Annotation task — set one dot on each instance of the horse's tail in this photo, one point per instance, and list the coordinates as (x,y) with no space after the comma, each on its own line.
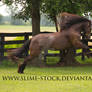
(15,54)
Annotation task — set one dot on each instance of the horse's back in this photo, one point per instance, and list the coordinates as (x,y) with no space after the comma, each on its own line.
(42,40)
(58,40)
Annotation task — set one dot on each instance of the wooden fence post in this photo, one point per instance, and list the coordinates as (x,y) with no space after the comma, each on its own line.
(86,43)
(2,47)
(45,55)
(26,37)
(83,50)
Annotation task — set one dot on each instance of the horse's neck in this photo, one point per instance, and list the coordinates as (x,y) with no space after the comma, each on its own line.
(78,28)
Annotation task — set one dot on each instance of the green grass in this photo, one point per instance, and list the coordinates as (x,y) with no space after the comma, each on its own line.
(10,69)
(12,28)
(46,85)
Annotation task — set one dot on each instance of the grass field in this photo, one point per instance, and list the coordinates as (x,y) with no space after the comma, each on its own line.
(49,85)
(17,29)
(21,29)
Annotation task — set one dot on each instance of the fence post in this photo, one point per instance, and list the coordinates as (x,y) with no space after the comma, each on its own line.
(86,43)
(26,37)
(45,55)
(2,47)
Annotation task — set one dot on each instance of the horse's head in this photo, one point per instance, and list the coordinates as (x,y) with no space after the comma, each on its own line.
(87,29)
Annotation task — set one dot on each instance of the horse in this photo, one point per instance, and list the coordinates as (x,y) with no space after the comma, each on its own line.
(65,20)
(68,38)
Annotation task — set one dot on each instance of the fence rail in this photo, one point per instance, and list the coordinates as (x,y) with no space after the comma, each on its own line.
(26,35)
(3,42)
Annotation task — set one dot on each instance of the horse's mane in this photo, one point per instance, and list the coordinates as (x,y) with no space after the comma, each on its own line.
(68,20)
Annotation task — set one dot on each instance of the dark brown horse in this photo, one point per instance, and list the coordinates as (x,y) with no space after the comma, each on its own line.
(65,20)
(69,37)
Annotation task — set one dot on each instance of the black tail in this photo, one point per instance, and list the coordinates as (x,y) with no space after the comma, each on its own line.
(18,53)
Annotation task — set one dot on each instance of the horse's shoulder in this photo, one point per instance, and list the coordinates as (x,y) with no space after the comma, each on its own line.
(73,35)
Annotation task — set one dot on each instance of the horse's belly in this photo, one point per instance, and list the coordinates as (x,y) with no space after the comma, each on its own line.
(61,44)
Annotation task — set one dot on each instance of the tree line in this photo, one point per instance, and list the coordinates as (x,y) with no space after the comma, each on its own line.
(10,20)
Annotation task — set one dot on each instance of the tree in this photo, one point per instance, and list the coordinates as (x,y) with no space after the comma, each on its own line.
(36,16)
(53,7)
(29,9)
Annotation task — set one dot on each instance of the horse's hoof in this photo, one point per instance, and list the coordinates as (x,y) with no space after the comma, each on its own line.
(20,72)
(21,68)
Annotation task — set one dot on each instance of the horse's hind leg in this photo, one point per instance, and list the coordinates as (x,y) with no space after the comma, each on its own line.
(34,52)
(22,66)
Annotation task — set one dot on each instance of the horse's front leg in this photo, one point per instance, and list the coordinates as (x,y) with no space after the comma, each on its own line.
(78,44)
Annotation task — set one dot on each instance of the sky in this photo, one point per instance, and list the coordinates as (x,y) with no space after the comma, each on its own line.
(3,9)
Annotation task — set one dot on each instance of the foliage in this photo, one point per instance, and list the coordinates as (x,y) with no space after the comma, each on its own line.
(26,7)
(51,7)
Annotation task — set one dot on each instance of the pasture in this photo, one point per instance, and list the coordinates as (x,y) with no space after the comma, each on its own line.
(16,29)
(21,29)
(43,85)
(22,83)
